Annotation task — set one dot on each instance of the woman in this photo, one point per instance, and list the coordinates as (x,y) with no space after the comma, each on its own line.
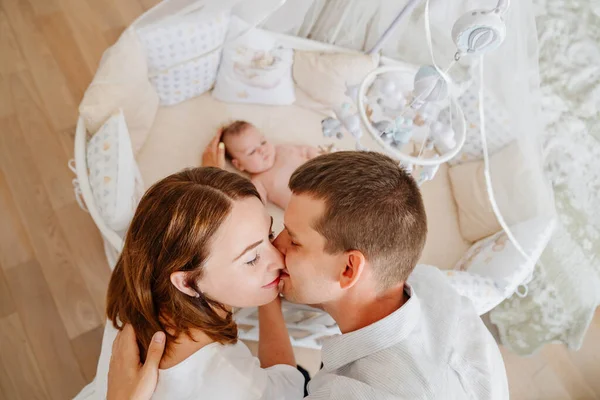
(199,245)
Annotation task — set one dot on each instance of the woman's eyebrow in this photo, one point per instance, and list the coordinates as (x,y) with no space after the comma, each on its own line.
(253,245)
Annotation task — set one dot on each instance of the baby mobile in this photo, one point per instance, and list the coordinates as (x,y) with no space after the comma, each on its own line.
(426,113)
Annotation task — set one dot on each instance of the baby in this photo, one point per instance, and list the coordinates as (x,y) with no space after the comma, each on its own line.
(270,167)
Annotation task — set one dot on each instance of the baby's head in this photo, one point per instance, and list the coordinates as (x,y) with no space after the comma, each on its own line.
(247,148)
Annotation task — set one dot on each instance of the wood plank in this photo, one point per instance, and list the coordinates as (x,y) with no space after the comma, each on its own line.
(20,376)
(75,306)
(587,359)
(129,10)
(44,7)
(7,305)
(112,35)
(12,60)
(107,14)
(6,107)
(550,385)
(61,42)
(15,246)
(557,357)
(85,241)
(519,371)
(84,22)
(87,351)
(87,252)
(42,141)
(47,335)
(148,4)
(59,104)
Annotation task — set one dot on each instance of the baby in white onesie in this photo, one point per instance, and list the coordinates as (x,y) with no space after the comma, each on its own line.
(270,166)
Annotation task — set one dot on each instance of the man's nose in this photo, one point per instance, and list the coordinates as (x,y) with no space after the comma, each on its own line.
(280,242)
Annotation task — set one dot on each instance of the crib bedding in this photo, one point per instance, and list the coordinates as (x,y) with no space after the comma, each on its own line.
(181,132)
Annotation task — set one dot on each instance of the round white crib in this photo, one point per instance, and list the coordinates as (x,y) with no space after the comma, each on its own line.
(150,112)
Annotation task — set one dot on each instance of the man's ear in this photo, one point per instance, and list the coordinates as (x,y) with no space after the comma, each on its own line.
(355,265)
(237,164)
(179,280)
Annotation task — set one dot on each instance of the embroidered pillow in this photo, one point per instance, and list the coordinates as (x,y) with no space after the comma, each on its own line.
(253,69)
(113,174)
(183,54)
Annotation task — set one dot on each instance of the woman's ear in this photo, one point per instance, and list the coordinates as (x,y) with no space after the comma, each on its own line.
(355,265)
(237,164)
(179,280)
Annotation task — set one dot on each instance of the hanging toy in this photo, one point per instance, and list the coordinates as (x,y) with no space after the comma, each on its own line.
(349,120)
(429,144)
(345,120)
(360,147)
(429,86)
(390,97)
(352,92)
(442,135)
(427,173)
(331,127)
(427,113)
(404,130)
(386,130)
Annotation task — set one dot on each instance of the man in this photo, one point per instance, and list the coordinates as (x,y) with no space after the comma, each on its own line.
(355,228)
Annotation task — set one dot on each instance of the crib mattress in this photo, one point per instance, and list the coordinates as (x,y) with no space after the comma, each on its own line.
(181,132)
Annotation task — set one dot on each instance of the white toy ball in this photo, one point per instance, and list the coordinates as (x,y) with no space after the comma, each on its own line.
(429,85)
(352,124)
(443,134)
(479,31)
(428,112)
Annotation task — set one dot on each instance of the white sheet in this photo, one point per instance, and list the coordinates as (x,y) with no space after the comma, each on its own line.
(181,132)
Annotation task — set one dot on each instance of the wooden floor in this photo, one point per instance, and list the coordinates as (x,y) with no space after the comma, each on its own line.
(53,275)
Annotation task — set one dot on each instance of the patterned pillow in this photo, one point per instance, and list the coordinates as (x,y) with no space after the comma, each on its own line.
(482,291)
(497,125)
(254,69)
(113,174)
(498,261)
(187,80)
(183,54)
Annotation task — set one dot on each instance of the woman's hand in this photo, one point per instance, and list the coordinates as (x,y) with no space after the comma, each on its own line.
(214,154)
(128,379)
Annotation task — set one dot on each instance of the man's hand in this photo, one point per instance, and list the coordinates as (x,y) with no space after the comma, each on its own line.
(128,379)
(214,154)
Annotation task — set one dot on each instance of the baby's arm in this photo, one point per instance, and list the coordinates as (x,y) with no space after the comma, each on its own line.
(261,189)
(309,152)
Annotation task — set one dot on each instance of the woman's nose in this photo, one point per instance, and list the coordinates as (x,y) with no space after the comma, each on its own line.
(277,260)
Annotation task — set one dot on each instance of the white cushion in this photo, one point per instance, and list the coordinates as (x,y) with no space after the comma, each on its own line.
(445,245)
(253,69)
(496,257)
(515,183)
(183,54)
(121,82)
(324,76)
(113,173)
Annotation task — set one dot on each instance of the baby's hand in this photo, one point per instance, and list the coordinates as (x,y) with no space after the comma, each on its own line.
(326,149)
(311,152)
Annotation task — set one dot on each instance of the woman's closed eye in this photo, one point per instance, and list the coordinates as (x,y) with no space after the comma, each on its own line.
(254,261)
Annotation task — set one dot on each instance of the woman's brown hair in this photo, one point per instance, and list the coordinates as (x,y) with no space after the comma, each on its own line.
(171,231)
